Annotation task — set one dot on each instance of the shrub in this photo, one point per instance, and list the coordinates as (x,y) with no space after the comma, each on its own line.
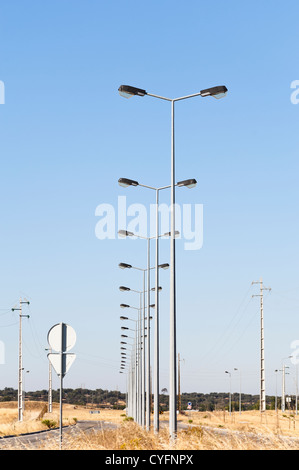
(50,424)
(128,418)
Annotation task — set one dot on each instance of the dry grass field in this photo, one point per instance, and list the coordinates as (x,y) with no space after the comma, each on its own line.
(202,431)
(283,424)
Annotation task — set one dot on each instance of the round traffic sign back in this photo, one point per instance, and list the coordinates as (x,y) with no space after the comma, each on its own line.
(62,337)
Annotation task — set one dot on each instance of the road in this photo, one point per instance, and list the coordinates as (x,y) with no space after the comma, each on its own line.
(36,440)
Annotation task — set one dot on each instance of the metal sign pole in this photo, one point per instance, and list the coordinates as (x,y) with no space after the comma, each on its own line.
(61,378)
(61,338)
(60,422)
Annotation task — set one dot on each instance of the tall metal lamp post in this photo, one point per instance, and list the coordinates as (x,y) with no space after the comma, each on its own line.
(157,267)
(125,182)
(217,92)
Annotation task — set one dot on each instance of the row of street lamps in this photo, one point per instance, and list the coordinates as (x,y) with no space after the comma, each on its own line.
(128,92)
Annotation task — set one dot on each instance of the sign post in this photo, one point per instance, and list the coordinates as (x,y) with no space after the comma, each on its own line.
(61,338)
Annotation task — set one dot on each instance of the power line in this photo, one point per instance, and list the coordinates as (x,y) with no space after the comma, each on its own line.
(228,332)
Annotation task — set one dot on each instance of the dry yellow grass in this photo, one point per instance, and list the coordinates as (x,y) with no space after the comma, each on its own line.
(129,436)
(283,424)
(9,424)
(247,431)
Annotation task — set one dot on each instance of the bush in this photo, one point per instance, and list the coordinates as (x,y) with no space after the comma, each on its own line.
(50,424)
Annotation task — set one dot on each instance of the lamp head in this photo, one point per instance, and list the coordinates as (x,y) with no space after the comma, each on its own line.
(125,182)
(127,91)
(124,266)
(125,233)
(191,183)
(168,234)
(164,266)
(216,91)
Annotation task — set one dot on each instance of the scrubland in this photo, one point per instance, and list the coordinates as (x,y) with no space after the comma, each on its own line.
(196,431)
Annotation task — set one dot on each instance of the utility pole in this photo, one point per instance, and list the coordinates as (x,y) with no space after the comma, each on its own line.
(24,391)
(262,386)
(296,402)
(276,409)
(50,384)
(179,382)
(240,395)
(20,374)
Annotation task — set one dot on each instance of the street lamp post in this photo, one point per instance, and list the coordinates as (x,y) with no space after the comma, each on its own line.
(136,365)
(142,342)
(138,390)
(230,392)
(217,92)
(131,392)
(137,349)
(129,266)
(163,266)
(284,367)
(125,182)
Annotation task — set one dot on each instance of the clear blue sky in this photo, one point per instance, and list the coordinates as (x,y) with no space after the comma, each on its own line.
(66,136)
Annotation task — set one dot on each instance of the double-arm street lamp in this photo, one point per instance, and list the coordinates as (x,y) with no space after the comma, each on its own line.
(125,182)
(216,92)
(140,376)
(157,267)
(138,365)
(131,372)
